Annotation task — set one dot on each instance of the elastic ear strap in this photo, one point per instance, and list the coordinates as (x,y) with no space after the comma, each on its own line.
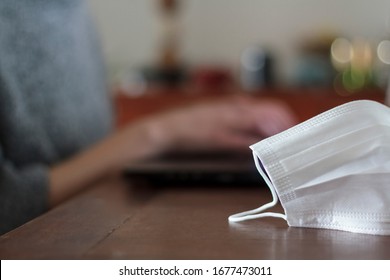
(257,213)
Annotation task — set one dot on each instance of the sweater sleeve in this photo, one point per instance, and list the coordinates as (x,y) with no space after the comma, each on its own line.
(23,193)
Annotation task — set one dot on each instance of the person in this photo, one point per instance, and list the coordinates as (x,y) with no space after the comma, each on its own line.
(56,119)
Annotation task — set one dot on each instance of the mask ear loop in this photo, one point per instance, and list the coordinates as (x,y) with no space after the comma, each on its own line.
(257,213)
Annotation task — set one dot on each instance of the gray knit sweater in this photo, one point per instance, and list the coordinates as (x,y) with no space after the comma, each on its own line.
(53,98)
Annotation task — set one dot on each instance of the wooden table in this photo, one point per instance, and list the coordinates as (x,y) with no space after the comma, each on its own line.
(119,219)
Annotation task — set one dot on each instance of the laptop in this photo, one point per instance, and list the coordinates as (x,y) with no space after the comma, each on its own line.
(207,169)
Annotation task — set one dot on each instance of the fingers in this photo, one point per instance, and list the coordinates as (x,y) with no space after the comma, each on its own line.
(234,123)
(275,119)
(261,117)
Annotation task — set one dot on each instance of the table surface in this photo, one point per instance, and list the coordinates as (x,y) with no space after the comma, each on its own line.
(121,219)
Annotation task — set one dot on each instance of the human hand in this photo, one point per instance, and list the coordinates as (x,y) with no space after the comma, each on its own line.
(230,124)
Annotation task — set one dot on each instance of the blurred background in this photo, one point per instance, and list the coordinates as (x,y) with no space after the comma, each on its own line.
(249,43)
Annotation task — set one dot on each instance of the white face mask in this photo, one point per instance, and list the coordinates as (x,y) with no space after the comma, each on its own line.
(332,171)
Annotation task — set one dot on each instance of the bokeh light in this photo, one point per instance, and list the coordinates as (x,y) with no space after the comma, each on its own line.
(383,51)
(341,53)
(361,55)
